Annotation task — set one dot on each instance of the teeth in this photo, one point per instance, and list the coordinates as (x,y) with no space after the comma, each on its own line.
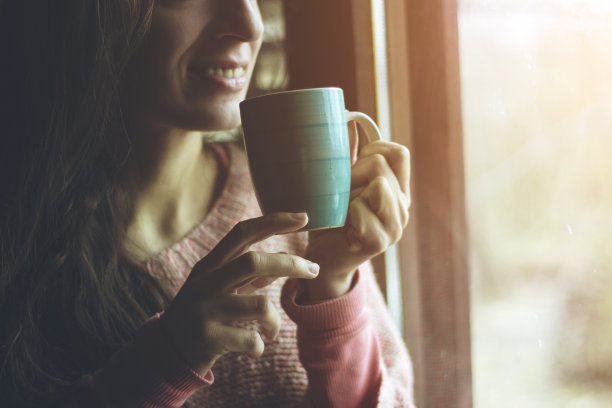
(227,72)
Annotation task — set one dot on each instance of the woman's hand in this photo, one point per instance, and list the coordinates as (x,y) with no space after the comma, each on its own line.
(200,319)
(377,216)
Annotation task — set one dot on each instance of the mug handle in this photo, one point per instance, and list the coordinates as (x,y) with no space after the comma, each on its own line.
(367,123)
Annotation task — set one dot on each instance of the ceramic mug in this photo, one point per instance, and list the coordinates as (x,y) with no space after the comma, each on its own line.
(297,146)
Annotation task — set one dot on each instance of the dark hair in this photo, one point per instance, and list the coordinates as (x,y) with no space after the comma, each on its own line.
(69,292)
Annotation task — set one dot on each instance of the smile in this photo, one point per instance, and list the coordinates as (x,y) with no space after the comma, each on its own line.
(227,72)
(230,79)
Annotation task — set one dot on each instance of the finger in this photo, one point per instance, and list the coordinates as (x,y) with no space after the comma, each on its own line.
(249,232)
(263,265)
(234,339)
(252,285)
(397,156)
(384,203)
(402,201)
(232,308)
(365,232)
(356,192)
(372,167)
(369,168)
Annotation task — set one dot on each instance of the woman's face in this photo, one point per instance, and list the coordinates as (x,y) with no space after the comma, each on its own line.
(194,67)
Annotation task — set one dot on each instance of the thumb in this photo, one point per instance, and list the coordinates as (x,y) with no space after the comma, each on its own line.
(353,140)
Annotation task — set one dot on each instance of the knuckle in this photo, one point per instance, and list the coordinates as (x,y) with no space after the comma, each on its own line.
(251,341)
(401,153)
(379,163)
(381,245)
(375,244)
(261,304)
(294,263)
(380,184)
(396,233)
(355,214)
(250,261)
(207,331)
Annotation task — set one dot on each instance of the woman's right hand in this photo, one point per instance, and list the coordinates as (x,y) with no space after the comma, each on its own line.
(199,321)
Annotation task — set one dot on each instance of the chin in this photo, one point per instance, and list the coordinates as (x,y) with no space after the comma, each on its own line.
(221,118)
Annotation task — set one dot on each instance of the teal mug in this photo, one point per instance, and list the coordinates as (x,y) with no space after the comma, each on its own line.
(298,151)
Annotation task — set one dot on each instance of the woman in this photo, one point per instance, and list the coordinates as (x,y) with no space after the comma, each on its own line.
(136,268)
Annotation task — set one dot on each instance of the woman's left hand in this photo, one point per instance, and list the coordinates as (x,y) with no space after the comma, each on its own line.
(377,216)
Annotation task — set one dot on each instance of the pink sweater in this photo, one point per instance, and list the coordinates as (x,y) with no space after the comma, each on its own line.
(343,352)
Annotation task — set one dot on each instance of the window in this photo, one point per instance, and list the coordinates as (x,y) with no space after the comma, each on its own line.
(506,106)
(537,103)
(332,44)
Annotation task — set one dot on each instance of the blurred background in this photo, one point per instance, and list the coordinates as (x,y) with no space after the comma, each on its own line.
(537,113)
(270,73)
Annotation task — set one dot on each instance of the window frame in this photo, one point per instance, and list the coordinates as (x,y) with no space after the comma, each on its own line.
(331,43)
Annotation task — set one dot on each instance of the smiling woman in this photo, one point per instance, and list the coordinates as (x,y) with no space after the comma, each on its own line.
(136,269)
(184,73)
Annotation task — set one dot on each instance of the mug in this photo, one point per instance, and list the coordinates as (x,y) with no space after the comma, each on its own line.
(298,152)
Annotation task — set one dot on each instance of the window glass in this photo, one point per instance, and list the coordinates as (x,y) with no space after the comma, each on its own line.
(537,112)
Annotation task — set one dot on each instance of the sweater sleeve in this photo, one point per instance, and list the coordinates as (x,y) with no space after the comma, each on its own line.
(146,373)
(337,347)
(352,353)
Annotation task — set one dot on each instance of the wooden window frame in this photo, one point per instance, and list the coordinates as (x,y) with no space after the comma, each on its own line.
(330,43)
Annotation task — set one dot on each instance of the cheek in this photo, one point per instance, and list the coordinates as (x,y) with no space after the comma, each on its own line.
(157,72)
(169,39)
(255,48)
(154,76)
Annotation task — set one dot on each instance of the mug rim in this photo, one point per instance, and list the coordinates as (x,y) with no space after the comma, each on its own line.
(294,91)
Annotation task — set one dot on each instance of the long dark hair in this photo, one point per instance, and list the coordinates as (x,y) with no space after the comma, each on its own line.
(70,294)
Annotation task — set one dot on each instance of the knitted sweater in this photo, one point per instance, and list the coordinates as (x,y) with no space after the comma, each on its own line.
(342,352)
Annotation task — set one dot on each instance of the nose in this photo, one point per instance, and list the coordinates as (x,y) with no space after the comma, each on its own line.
(240,20)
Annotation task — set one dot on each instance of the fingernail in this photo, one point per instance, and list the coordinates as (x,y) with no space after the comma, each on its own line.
(299,216)
(313,268)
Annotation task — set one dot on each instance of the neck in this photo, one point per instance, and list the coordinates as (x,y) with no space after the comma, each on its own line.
(173,179)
